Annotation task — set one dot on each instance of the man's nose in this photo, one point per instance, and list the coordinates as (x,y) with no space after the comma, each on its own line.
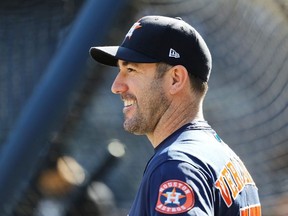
(119,86)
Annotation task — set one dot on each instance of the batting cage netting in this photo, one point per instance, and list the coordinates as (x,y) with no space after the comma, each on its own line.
(63,149)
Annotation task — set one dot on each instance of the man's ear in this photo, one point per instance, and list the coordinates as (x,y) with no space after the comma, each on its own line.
(178,78)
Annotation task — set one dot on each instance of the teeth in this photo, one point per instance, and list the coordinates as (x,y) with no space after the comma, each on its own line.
(128,102)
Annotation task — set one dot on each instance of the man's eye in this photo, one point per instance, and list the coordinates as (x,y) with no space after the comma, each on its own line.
(130,70)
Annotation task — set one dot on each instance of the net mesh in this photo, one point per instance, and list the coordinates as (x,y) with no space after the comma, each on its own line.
(30,33)
(246,103)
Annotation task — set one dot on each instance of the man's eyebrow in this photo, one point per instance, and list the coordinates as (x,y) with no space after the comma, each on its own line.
(125,63)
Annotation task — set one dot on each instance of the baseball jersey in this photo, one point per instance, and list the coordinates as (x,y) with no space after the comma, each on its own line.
(193,172)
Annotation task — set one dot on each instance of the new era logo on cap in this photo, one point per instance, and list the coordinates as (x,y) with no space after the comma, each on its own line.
(173,53)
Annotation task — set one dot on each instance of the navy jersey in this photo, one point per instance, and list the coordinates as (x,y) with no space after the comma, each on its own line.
(193,172)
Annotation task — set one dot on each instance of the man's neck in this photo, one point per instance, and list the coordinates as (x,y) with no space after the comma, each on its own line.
(174,118)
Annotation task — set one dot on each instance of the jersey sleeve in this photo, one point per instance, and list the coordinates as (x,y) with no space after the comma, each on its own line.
(180,188)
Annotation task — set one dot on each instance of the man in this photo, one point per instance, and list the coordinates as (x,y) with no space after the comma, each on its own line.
(164,66)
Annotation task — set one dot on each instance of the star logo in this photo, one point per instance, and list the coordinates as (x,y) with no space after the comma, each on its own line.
(173,197)
(132,29)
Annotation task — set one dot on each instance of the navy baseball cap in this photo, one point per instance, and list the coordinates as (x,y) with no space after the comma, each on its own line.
(155,39)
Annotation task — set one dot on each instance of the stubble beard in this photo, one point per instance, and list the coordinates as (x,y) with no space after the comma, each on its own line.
(147,116)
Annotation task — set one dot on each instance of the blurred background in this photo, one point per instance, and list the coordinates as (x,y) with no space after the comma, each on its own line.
(63,151)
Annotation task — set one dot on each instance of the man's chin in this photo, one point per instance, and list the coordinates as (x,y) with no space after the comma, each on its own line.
(132,128)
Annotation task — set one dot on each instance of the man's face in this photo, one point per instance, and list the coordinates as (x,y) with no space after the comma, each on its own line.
(144,97)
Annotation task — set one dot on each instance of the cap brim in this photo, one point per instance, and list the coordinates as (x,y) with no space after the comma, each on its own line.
(105,54)
(109,55)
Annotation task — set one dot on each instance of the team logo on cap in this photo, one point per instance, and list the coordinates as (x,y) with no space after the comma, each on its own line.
(175,197)
(132,29)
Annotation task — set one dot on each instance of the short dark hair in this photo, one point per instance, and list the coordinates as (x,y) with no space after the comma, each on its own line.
(198,85)
(161,68)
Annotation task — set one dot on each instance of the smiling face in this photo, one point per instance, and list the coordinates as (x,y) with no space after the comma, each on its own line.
(144,97)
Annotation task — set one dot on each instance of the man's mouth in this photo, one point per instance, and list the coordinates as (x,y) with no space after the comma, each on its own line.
(128,103)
